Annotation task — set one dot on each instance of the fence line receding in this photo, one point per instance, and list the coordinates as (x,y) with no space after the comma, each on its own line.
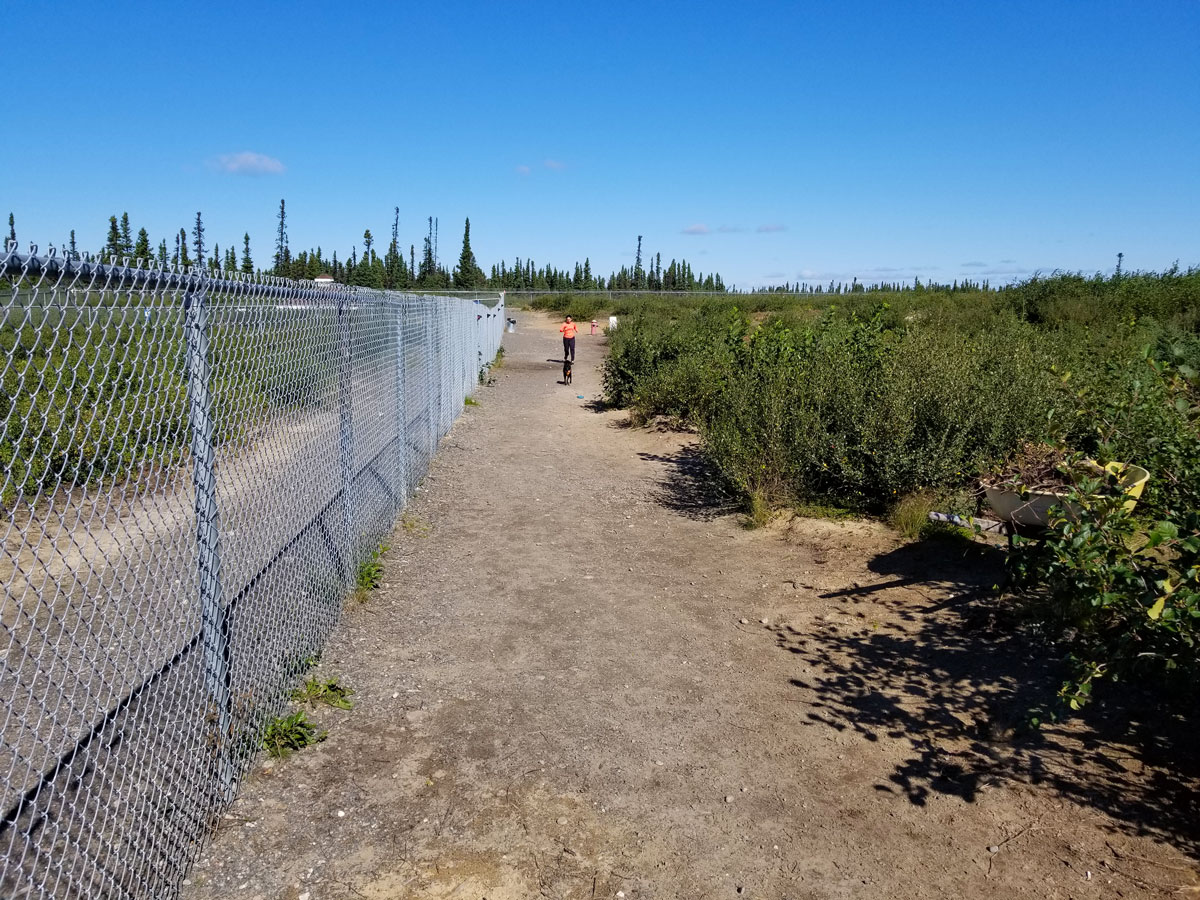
(194,466)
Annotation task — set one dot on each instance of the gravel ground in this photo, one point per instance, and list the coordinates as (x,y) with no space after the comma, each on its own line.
(582,678)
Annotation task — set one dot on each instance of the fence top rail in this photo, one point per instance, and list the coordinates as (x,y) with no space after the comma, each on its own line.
(63,270)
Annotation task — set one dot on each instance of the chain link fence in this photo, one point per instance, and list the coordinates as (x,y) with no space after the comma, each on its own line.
(195,465)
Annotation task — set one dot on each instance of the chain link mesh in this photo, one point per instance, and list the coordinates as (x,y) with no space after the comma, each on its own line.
(194,466)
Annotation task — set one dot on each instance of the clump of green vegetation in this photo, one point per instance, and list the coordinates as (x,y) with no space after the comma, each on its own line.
(758,512)
(910,515)
(284,734)
(885,403)
(415,525)
(72,370)
(580,307)
(329,692)
(1123,586)
(470,401)
(370,573)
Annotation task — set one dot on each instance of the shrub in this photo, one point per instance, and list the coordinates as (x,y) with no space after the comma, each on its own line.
(851,402)
(1124,590)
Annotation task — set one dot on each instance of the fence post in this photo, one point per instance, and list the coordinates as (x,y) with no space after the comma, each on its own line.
(433,435)
(402,479)
(346,431)
(440,341)
(214,618)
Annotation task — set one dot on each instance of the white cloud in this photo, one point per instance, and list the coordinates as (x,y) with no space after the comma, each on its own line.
(248,163)
(974,265)
(771,228)
(555,164)
(697,229)
(523,170)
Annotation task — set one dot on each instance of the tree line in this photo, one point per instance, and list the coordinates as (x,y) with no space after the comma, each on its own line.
(393,268)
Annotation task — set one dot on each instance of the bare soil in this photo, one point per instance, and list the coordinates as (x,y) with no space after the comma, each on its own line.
(583,678)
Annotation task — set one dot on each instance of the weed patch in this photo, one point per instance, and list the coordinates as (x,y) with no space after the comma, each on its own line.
(329,692)
(285,734)
(370,573)
(415,525)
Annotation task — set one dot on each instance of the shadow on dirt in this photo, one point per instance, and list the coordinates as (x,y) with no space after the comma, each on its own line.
(692,486)
(962,677)
(599,405)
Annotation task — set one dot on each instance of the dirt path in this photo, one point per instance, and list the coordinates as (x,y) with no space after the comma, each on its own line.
(584,679)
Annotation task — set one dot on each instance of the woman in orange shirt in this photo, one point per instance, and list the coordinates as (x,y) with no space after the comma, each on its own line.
(569,330)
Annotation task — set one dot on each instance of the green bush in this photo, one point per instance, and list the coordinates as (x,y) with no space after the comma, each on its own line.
(845,410)
(580,307)
(1124,589)
(851,402)
(99,391)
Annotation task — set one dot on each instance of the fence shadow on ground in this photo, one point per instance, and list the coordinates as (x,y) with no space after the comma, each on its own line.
(960,678)
(692,486)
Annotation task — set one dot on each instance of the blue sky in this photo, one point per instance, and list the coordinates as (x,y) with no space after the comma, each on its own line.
(767,141)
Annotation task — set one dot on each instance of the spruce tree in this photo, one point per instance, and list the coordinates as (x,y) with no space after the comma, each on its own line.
(126,236)
(247,262)
(428,271)
(198,240)
(393,262)
(370,271)
(141,250)
(467,276)
(281,254)
(162,253)
(184,260)
(71,248)
(112,246)
(12,229)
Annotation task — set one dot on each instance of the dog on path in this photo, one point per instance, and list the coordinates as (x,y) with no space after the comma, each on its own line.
(566,371)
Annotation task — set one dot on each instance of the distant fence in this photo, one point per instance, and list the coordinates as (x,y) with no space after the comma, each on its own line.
(195,465)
